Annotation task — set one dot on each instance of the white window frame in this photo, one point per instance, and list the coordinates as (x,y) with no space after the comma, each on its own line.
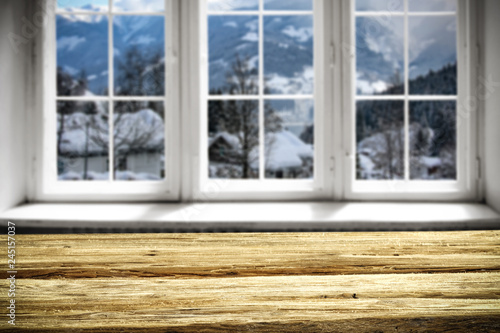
(185,121)
(48,188)
(199,186)
(465,187)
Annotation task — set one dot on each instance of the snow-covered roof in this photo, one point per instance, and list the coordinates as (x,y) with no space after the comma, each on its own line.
(285,150)
(133,126)
(431,162)
(74,137)
(231,139)
(130,127)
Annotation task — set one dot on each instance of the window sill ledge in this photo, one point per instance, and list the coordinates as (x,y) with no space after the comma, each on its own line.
(251,217)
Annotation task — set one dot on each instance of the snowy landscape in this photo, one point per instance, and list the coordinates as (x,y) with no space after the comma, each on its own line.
(380,129)
(381,140)
(234,147)
(83,138)
(83,141)
(233,64)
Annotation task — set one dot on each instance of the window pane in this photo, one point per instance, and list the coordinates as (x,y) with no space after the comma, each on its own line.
(83,5)
(380,5)
(433,140)
(433,55)
(288,5)
(233,55)
(139,53)
(288,54)
(139,140)
(380,56)
(380,140)
(82,140)
(433,5)
(82,55)
(289,150)
(233,139)
(138,5)
(228,5)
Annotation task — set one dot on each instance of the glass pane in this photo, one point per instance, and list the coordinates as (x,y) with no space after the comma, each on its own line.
(82,55)
(228,5)
(233,139)
(433,5)
(379,56)
(82,141)
(433,140)
(139,140)
(233,55)
(288,54)
(138,5)
(139,53)
(380,140)
(380,5)
(433,55)
(288,5)
(289,132)
(83,5)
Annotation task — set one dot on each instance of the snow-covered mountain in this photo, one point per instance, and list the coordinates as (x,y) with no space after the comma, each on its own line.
(227,5)
(380,50)
(288,50)
(82,44)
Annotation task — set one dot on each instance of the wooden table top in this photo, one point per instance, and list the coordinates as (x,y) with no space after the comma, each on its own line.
(256,282)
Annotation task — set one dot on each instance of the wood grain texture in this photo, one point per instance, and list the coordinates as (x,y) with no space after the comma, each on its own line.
(258,282)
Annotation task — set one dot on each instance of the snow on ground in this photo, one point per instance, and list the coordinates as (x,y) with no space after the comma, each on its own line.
(374,156)
(128,175)
(71,175)
(367,167)
(430,162)
(120,175)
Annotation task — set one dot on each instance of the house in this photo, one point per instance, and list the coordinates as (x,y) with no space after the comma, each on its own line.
(286,156)
(138,146)
(224,148)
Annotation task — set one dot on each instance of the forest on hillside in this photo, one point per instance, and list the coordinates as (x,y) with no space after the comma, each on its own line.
(380,132)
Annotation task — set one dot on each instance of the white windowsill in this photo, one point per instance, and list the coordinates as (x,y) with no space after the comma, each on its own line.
(256,217)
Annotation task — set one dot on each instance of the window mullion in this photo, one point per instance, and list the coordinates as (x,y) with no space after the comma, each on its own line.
(407,93)
(261,92)
(111,89)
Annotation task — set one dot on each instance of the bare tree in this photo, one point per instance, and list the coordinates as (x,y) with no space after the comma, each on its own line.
(141,74)
(135,137)
(67,86)
(243,115)
(240,118)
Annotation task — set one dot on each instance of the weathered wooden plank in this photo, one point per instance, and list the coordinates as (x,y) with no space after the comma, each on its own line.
(281,282)
(475,324)
(243,303)
(239,255)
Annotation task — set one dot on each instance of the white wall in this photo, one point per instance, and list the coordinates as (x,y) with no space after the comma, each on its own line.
(12,105)
(491,71)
